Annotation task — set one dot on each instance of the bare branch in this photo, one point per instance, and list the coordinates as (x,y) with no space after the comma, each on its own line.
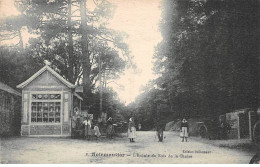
(103,38)
(74,11)
(8,37)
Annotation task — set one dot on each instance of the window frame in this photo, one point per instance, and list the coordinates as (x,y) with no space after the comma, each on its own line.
(46,100)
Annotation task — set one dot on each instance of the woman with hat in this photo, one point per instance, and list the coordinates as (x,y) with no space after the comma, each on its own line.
(131,130)
(184,130)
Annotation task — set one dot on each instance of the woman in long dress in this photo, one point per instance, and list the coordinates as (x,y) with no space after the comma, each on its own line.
(131,130)
(110,128)
(96,131)
(184,130)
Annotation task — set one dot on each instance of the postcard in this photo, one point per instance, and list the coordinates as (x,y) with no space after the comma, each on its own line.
(129,82)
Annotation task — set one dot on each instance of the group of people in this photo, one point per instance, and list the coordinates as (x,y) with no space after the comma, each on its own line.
(110,131)
(184,130)
(95,131)
(91,130)
(131,133)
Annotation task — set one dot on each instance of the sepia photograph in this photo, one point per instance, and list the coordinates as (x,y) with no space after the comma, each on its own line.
(129,82)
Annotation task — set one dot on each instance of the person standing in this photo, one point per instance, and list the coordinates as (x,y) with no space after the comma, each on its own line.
(96,131)
(131,130)
(87,124)
(110,128)
(139,127)
(184,130)
(159,131)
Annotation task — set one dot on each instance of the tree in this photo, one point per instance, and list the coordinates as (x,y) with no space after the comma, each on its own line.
(85,53)
(208,56)
(72,38)
(111,104)
(11,28)
(15,66)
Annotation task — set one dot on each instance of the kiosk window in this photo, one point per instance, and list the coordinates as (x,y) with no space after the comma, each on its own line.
(43,111)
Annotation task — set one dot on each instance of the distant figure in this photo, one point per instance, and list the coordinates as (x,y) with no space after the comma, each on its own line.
(224,129)
(74,122)
(87,124)
(184,130)
(159,130)
(139,126)
(96,131)
(131,130)
(110,128)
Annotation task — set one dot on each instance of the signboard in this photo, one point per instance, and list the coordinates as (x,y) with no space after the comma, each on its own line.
(89,116)
(79,89)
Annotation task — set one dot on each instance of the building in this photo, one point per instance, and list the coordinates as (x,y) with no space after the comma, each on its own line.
(10,111)
(48,102)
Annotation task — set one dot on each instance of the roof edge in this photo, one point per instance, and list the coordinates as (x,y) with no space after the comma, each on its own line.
(9,89)
(46,67)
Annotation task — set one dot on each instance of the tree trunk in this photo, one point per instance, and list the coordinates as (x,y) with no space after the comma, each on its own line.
(85,56)
(72,78)
(20,38)
(100,85)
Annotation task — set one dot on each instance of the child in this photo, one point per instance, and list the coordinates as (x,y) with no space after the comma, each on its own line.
(96,131)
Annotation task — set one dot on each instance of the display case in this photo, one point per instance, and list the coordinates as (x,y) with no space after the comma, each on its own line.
(45,108)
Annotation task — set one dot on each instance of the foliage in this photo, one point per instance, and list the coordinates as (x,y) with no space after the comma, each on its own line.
(15,67)
(150,108)
(207,61)
(59,30)
(110,105)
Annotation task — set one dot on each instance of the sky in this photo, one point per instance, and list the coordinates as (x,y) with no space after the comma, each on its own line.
(139,19)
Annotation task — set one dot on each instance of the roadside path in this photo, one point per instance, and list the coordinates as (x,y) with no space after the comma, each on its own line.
(146,149)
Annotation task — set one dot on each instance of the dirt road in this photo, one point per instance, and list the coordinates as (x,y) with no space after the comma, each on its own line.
(146,149)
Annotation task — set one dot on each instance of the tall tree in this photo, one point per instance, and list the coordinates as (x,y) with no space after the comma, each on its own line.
(73,37)
(85,53)
(208,55)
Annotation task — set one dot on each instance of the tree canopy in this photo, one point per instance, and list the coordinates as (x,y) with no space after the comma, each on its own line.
(207,63)
(73,36)
(208,59)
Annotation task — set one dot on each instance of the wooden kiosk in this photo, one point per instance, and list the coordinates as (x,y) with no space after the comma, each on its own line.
(48,101)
